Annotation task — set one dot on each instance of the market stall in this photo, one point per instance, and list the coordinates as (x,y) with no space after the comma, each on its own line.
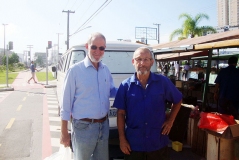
(207,143)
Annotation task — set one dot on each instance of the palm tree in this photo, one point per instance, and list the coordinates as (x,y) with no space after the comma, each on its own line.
(190,27)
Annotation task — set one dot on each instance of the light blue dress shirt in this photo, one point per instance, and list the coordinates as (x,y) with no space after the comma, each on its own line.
(86,91)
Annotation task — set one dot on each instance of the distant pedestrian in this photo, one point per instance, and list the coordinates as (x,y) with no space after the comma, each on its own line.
(185,71)
(172,69)
(33,69)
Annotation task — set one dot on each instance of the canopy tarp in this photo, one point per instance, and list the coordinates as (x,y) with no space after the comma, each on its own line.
(180,56)
(213,41)
(217,57)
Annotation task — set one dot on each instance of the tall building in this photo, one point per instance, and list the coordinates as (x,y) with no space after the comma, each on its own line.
(228,13)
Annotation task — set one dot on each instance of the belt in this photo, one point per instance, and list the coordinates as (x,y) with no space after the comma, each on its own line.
(95,120)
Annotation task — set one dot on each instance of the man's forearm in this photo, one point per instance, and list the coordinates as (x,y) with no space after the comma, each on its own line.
(174,111)
(64,128)
(121,125)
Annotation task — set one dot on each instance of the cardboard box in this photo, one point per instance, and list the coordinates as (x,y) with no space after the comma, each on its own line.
(221,148)
(223,145)
(177,146)
(231,132)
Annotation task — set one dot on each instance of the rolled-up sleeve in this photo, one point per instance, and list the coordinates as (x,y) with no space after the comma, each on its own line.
(68,92)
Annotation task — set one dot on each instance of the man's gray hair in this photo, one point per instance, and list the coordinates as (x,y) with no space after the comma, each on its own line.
(145,49)
(94,35)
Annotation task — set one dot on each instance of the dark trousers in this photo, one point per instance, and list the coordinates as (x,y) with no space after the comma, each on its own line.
(162,154)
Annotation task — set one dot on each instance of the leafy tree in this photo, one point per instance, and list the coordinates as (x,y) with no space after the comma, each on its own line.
(39,60)
(4,60)
(190,27)
(14,58)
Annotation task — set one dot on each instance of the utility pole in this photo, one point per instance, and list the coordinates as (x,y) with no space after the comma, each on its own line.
(6,57)
(158,30)
(30,47)
(68,13)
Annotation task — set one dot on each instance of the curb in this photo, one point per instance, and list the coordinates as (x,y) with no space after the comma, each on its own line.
(6,89)
(50,86)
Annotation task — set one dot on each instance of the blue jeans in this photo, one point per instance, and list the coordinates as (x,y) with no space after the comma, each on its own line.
(90,140)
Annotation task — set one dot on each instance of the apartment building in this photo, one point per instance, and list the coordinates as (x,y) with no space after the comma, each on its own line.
(228,13)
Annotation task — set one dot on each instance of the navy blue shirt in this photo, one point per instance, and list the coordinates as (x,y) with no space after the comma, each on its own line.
(32,68)
(145,110)
(228,80)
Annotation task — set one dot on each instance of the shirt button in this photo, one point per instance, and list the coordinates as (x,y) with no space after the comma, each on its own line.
(146,123)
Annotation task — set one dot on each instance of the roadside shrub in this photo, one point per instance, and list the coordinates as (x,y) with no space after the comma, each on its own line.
(2,68)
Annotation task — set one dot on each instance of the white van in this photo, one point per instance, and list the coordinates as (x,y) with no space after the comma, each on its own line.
(118,57)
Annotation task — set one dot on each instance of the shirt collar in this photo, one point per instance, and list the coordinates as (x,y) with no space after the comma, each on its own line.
(152,77)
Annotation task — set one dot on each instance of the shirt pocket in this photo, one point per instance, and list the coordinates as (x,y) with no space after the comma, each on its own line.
(157,102)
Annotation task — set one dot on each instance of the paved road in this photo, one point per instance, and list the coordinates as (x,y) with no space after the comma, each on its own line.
(29,121)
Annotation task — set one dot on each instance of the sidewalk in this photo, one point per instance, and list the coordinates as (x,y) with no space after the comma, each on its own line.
(21,81)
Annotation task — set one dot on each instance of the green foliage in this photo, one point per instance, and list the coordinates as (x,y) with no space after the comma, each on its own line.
(2,68)
(14,58)
(41,76)
(20,65)
(4,60)
(39,60)
(15,67)
(190,27)
(11,77)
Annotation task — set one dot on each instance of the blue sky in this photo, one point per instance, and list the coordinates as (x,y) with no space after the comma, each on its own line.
(35,22)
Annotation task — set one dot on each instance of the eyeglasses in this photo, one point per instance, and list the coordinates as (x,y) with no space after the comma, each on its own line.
(94,47)
(145,60)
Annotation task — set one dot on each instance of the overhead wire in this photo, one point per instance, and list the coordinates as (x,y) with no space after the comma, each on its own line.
(92,16)
(84,12)
(74,3)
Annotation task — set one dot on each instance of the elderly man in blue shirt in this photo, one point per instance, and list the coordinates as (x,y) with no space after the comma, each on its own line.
(142,123)
(86,91)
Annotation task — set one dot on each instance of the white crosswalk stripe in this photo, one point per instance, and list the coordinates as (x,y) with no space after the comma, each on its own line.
(54,119)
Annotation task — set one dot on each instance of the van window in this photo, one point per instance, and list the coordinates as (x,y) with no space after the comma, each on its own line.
(67,60)
(77,56)
(119,61)
(61,63)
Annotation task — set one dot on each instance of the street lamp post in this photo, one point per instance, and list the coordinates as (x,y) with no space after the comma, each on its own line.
(6,57)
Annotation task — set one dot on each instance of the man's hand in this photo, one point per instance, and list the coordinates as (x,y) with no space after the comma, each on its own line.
(65,139)
(125,147)
(167,125)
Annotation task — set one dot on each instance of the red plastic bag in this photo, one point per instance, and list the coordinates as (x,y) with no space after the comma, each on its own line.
(229,119)
(212,122)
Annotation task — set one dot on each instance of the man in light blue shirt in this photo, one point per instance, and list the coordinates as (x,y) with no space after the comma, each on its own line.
(86,91)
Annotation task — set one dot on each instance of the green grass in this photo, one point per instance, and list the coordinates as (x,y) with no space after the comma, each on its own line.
(11,77)
(41,76)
